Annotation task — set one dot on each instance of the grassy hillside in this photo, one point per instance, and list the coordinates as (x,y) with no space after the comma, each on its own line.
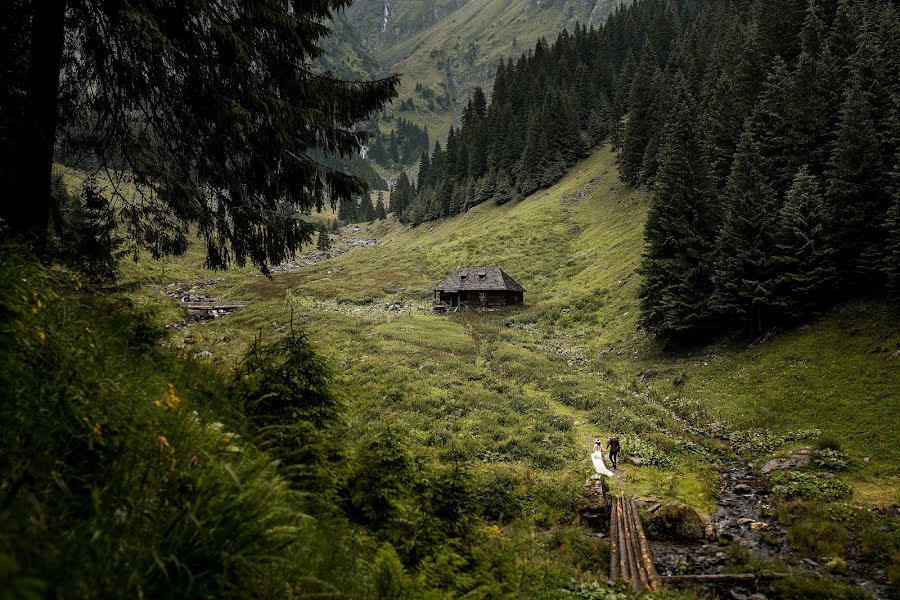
(576,247)
(519,394)
(449,47)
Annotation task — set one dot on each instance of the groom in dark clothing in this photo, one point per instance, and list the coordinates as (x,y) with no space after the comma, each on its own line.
(613,448)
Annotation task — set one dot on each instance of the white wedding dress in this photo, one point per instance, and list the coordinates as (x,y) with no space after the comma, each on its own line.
(599,464)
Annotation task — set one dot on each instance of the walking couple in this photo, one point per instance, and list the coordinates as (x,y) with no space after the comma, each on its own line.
(597,456)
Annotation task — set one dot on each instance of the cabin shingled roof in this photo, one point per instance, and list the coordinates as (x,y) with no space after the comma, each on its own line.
(489,278)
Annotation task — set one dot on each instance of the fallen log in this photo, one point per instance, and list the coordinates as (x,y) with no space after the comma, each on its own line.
(727,577)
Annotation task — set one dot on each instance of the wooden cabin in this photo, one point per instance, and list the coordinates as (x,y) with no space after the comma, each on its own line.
(477,287)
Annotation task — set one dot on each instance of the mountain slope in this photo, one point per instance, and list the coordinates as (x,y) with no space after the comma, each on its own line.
(444,48)
(576,247)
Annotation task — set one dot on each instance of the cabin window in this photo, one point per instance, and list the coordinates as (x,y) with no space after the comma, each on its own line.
(481,276)
(462,276)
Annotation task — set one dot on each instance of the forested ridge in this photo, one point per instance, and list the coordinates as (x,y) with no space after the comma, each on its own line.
(767,130)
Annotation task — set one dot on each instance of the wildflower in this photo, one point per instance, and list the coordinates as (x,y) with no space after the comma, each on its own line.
(88,330)
(162,443)
(233,448)
(42,336)
(193,462)
(217,426)
(96,430)
(171,399)
(77,285)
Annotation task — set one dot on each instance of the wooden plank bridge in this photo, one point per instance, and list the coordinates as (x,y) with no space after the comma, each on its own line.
(629,553)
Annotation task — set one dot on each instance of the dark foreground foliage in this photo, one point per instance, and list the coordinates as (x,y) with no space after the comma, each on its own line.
(128,469)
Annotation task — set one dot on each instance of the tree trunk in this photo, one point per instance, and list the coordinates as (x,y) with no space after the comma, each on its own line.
(28,208)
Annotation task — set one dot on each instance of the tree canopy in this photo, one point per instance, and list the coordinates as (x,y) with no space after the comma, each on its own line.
(207,112)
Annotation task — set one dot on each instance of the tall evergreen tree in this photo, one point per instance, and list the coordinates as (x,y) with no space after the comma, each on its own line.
(324,242)
(380,210)
(212,108)
(680,231)
(803,256)
(856,189)
(744,277)
(641,108)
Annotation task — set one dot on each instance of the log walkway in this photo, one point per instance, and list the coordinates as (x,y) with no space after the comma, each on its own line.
(629,553)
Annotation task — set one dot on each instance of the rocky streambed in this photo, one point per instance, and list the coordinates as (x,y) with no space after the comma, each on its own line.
(744,524)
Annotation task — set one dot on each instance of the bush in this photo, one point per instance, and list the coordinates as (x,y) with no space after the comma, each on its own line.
(831,460)
(283,389)
(801,484)
(86,239)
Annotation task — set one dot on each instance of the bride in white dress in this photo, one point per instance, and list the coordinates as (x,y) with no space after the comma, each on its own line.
(597,459)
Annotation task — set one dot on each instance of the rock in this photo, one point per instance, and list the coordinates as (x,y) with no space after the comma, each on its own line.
(810,563)
(742,489)
(744,521)
(758,525)
(757,596)
(711,533)
(866,459)
(737,595)
(794,461)
(654,508)
(824,475)
(635,460)
(677,522)
(647,374)
(593,506)
(203,354)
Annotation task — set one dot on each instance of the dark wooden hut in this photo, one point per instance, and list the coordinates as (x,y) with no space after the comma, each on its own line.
(477,287)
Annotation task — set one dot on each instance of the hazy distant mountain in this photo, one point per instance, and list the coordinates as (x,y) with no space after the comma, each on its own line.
(444,48)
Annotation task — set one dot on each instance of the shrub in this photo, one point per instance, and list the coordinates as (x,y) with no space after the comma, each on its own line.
(283,389)
(801,484)
(831,460)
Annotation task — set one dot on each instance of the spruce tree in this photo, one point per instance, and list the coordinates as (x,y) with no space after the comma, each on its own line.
(802,254)
(641,107)
(213,110)
(324,243)
(856,191)
(380,211)
(744,273)
(680,231)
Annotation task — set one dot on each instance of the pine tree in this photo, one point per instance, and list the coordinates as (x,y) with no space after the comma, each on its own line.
(213,109)
(744,276)
(802,255)
(324,243)
(855,194)
(641,107)
(380,211)
(680,232)
(366,209)
(893,246)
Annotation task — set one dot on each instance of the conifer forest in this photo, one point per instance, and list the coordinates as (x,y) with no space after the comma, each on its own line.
(464,299)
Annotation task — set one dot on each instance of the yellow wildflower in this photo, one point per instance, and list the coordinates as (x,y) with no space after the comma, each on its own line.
(42,336)
(96,431)
(162,443)
(171,399)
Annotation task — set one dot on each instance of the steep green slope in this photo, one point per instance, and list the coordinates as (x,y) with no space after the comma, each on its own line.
(576,247)
(517,396)
(448,47)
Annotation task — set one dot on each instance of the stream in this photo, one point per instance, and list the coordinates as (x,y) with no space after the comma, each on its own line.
(744,516)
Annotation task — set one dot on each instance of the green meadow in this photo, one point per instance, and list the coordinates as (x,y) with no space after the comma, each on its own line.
(501,381)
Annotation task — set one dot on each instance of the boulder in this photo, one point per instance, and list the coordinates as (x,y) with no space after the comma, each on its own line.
(743,489)
(677,522)
(794,461)
(593,506)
